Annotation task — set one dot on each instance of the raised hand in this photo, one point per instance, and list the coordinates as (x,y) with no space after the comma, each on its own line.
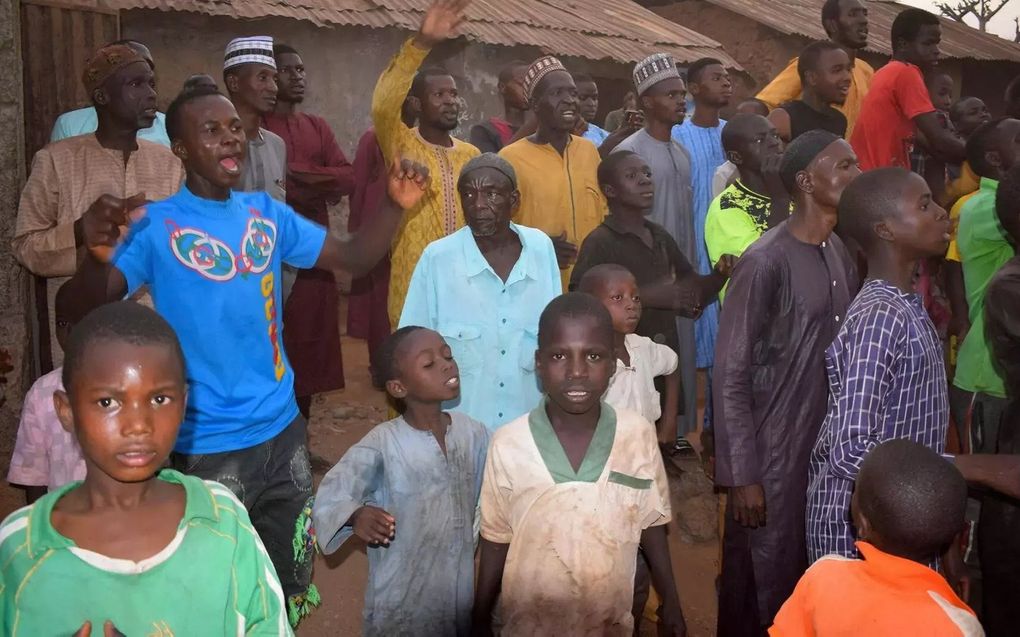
(406,182)
(441,21)
(105,223)
(374,525)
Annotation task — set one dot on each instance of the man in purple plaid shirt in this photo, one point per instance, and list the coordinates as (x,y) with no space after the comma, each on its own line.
(886,373)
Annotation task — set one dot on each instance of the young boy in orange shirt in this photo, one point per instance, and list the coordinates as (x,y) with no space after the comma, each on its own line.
(908,506)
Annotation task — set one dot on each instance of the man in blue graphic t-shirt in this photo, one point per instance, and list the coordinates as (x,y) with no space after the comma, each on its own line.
(212,258)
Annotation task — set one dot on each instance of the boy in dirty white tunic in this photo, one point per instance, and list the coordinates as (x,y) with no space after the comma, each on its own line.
(409,489)
(570,492)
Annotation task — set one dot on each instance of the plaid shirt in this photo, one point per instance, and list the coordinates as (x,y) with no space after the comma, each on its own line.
(887,380)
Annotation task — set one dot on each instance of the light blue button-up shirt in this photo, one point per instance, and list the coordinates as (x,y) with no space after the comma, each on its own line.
(84,121)
(491,326)
(595,135)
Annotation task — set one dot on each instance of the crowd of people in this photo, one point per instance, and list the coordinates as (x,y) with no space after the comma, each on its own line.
(838,259)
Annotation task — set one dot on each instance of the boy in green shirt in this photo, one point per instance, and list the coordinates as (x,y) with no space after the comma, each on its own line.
(757,200)
(133,548)
(984,248)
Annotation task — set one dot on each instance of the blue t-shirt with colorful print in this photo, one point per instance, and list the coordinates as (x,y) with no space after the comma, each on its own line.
(213,268)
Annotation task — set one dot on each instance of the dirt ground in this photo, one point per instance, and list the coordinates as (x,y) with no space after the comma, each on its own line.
(341,418)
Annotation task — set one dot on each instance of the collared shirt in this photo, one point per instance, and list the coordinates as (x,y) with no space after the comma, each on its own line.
(213,578)
(887,380)
(67,177)
(984,248)
(265,167)
(45,454)
(633,386)
(439,213)
(434,496)
(881,594)
(884,134)
(573,535)
(559,193)
(786,86)
(85,120)
(595,135)
(491,326)
(704,147)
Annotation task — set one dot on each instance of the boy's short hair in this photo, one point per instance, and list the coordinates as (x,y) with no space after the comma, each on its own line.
(869,199)
(810,56)
(574,305)
(979,143)
(607,167)
(907,25)
(122,321)
(384,365)
(593,278)
(913,498)
(281,49)
(697,67)
(583,77)
(173,112)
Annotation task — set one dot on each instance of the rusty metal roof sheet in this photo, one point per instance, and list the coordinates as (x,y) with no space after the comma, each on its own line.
(803,17)
(618,30)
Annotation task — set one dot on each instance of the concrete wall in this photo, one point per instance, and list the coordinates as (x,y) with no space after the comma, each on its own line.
(343,63)
(14,295)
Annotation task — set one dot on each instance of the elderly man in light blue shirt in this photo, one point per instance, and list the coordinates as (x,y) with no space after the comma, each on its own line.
(483,288)
(83,121)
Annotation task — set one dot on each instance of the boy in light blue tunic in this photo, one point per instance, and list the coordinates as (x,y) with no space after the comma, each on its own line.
(423,472)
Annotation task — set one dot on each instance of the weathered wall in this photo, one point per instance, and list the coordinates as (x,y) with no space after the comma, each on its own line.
(14,340)
(343,63)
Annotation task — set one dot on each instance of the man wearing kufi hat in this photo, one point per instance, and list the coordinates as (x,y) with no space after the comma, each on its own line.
(249,73)
(662,97)
(556,170)
(787,298)
(111,167)
(484,287)
(82,121)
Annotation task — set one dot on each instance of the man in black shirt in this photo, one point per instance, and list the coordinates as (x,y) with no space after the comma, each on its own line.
(824,69)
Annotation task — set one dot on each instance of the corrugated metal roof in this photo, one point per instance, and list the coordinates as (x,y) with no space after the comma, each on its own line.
(618,30)
(803,17)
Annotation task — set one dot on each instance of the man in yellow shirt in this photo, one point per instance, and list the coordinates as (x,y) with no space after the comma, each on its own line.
(556,171)
(846,23)
(433,94)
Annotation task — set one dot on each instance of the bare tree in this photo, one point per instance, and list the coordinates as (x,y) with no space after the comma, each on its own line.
(983,10)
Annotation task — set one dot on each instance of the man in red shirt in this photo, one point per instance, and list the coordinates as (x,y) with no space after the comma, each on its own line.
(898,107)
(318,175)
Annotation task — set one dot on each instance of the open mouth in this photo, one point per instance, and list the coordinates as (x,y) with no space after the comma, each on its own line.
(577,395)
(453,383)
(231,165)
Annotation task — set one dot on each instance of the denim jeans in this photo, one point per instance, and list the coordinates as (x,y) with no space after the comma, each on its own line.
(274,482)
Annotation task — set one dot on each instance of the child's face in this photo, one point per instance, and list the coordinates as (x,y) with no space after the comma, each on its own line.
(212,144)
(125,406)
(619,293)
(921,225)
(940,90)
(426,371)
(575,363)
(632,185)
(971,113)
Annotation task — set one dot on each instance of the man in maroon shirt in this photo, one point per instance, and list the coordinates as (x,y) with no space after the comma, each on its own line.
(318,175)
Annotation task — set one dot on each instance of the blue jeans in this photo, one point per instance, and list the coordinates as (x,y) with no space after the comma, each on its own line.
(274,482)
